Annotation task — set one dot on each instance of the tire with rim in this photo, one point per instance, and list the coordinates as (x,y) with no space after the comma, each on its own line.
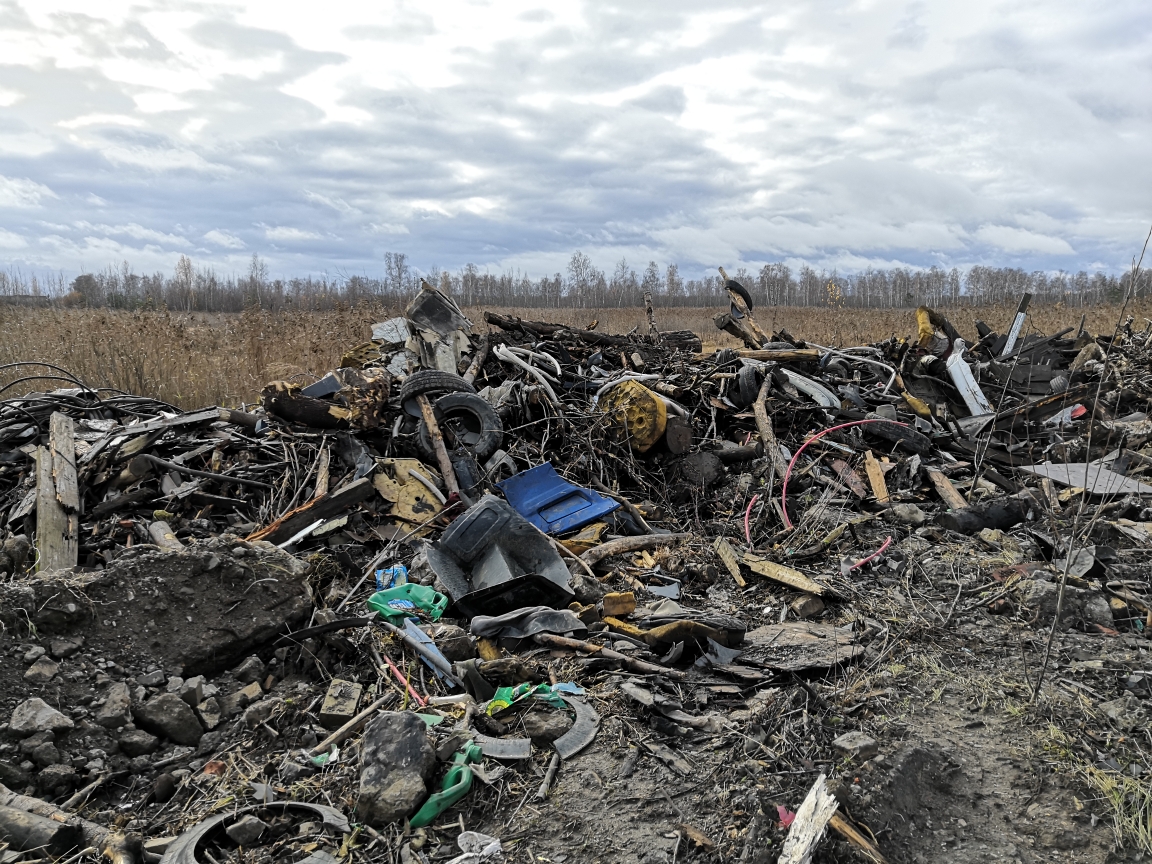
(429,382)
(475,423)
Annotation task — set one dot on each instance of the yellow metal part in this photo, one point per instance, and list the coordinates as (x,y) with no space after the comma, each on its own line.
(585,538)
(412,501)
(640,411)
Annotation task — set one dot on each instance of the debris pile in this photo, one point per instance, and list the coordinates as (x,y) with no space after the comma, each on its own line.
(552,594)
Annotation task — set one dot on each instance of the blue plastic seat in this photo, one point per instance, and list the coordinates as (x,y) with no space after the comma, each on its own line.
(551,503)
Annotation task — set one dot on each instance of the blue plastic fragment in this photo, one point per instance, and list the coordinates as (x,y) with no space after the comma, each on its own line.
(551,503)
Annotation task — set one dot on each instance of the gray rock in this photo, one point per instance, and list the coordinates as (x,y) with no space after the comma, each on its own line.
(33,654)
(137,742)
(857,744)
(260,712)
(1097,611)
(36,715)
(66,646)
(396,760)
(1126,712)
(13,776)
(246,831)
(252,669)
(1039,595)
(209,713)
(56,777)
(117,708)
(42,671)
(544,727)
(175,683)
(906,514)
(152,679)
(192,690)
(46,754)
(28,745)
(169,716)
(234,703)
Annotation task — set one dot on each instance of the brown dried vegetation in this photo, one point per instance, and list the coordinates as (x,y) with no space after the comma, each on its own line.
(194,359)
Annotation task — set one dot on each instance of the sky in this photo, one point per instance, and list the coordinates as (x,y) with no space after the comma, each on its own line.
(510,134)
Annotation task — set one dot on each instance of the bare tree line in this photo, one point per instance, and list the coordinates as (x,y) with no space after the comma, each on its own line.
(200,289)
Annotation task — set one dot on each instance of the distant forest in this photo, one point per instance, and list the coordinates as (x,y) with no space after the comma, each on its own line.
(200,289)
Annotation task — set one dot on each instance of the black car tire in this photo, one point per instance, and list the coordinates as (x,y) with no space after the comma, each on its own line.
(430,381)
(485,431)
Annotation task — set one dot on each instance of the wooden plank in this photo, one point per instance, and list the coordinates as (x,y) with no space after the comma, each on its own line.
(782,355)
(318,508)
(946,490)
(849,478)
(780,573)
(808,827)
(57,530)
(728,556)
(195,417)
(62,441)
(876,477)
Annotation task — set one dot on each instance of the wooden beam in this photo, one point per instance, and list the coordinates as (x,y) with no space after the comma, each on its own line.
(946,490)
(784,575)
(57,498)
(876,478)
(318,508)
(728,556)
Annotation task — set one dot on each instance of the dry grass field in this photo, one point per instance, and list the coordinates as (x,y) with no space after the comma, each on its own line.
(191,360)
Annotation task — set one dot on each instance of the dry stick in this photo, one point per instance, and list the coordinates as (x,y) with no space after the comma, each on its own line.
(222,478)
(628,505)
(351,727)
(549,777)
(1084,498)
(588,647)
(564,551)
(437,437)
(767,436)
(630,544)
(477,361)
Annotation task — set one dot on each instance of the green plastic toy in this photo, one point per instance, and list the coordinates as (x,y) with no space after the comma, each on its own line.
(396,604)
(457,783)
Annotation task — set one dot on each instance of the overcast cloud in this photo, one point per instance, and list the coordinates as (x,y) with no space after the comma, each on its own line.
(511,133)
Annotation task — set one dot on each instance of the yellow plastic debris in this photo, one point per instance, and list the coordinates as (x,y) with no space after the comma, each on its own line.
(640,411)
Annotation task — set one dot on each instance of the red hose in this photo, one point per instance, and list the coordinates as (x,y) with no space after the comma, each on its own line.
(816,437)
(879,551)
(747,513)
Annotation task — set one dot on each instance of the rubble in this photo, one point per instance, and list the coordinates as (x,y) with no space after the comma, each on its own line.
(671,597)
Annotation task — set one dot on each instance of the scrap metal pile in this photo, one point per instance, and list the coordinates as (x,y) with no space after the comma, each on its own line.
(465,571)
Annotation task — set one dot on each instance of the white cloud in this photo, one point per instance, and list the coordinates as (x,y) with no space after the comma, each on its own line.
(468,130)
(1020,240)
(22,192)
(286,234)
(223,239)
(9,240)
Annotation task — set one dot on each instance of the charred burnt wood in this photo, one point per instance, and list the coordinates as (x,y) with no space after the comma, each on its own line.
(1000,514)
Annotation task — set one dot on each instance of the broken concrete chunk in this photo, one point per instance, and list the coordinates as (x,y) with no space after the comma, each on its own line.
(137,742)
(192,690)
(209,713)
(36,715)
(42,671)
(155,678)
(169,716)
(117,708)
(906,514)
(544,727)
(252,669)
(246,831)
(397,761)
(66,646)
(56,779)
(857,744)
(261,712)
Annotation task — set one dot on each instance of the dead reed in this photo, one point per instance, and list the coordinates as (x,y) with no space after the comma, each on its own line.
(191,360)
